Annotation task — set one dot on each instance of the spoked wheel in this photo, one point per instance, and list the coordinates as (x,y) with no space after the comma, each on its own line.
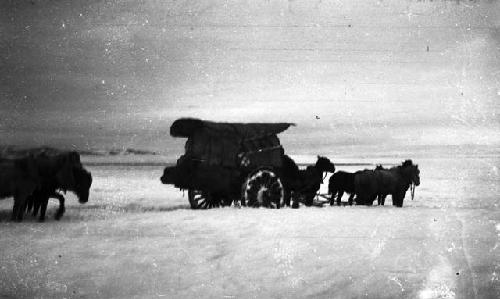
(263,189)
(202,200)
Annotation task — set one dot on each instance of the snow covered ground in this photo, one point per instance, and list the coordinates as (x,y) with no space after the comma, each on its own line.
(137,238)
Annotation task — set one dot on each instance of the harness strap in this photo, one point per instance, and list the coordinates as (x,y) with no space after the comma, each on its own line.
(322,181)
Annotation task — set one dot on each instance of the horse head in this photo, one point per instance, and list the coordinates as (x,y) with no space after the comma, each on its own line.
(411,171)
(169,175)
(416,176)
(324,164)
(83,180)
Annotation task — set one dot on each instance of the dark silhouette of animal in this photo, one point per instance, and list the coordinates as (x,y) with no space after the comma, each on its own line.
(40,198)
(369,184)
(290,177)
(19,178)
(341,182)
(56,170)
(310,180)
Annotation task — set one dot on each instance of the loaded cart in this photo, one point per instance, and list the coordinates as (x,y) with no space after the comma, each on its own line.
(226,162)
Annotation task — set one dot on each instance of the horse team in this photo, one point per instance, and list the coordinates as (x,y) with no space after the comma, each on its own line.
(363,187)
(33,176)
(370,185)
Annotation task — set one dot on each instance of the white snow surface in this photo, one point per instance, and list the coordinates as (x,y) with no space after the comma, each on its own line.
(137,238)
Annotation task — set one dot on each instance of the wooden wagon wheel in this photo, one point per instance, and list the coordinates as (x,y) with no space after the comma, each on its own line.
(202,200)
(263,188)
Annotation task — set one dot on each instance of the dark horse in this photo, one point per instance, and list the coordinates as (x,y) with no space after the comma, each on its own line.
(290,178)
(341,182)
(58,170)
(49,189)
(370,184)
(302,185)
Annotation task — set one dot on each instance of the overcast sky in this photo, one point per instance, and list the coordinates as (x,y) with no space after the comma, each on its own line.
(102,74)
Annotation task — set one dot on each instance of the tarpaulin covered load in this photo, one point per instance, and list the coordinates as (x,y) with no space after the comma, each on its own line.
(187,127)
(226,144)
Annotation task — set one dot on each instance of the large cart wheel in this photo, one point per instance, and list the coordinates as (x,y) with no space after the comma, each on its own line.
(263,188)
(202,200)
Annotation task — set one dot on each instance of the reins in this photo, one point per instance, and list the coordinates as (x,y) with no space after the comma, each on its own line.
(412,188)
(322,181)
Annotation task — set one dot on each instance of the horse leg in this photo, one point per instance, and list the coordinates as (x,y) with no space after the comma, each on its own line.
(15,208)
(332,197)
(61,209)
(277,201)
(295,199)
(29,203)
(36,205)
(397,200)
(350,200)
(339,197)
(401,197)
(288,195)
(37,201)
(19,206)
(332,194)
(309,199)
(24,207)
(43,208)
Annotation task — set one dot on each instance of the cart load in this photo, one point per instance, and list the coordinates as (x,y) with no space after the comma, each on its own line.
(227,161)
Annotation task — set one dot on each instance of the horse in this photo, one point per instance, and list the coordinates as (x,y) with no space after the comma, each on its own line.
(370,184)
(310,180)
(343,181)
(39,199)
(340,182)
(56,170)
(19,178)
(290,177)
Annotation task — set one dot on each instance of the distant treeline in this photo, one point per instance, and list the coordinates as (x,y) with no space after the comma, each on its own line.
(9,150)
(116,152)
